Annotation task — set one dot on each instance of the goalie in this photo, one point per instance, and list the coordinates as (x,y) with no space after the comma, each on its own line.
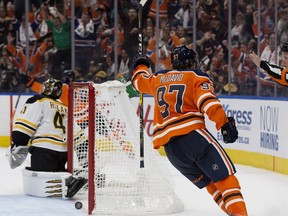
(43,122)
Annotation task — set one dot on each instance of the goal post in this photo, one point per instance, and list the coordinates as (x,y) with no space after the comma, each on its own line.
(108,154)
(77,92)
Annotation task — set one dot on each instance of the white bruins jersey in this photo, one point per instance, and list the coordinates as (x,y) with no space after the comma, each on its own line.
(45,121)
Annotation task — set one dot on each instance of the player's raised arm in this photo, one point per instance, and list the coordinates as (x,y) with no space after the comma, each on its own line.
(277,72)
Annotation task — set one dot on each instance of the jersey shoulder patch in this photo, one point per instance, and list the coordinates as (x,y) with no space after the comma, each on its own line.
(205,86)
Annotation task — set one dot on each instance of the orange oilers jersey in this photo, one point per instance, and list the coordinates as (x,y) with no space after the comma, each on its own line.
(35,61)
(181,99)
(163,7)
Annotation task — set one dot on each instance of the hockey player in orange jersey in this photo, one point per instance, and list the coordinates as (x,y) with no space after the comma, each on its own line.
(182,96)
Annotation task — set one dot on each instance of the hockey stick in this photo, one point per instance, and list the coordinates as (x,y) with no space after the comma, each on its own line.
(19,95)
(140,51)
(18,98)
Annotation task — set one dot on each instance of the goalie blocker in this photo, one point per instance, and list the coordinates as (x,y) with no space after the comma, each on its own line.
(51,184)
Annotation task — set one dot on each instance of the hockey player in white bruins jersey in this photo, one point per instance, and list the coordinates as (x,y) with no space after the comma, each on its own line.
(43,122)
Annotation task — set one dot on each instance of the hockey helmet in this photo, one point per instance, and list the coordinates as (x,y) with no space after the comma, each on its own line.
(284,47)
(52,87)
(183,58)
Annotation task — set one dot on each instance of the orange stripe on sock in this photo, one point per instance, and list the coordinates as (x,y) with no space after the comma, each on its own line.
(217,196)
(232,196)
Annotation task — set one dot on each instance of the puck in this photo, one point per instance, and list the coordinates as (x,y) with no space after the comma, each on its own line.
(78,205)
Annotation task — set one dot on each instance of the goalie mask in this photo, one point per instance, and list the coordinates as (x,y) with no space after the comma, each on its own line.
(183,58)
(52,87)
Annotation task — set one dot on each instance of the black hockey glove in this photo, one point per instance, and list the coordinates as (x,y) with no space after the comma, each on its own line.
(141,59)
(229,131)
(26,80)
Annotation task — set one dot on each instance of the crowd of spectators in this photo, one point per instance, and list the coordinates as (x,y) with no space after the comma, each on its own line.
(50,44)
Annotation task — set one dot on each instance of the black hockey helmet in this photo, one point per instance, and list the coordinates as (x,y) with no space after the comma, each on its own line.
(183,58)
(52,87)
(284,47)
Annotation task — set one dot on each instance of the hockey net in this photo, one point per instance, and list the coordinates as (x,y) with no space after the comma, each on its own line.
(111,162)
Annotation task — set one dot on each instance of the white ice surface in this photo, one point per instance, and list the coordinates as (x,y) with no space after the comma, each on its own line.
(265,192)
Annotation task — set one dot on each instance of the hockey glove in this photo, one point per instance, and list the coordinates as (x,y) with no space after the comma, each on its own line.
(26,80)
(229,131)
(141,59)
(17,155)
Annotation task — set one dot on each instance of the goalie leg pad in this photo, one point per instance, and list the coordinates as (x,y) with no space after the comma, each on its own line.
(45,184)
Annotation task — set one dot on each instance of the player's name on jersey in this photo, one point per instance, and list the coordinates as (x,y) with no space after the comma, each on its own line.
(60,108)
(171,78)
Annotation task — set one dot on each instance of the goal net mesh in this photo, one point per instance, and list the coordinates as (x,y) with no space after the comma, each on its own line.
(109,122)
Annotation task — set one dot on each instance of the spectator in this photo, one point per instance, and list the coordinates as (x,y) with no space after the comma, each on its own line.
(20,28)
(110,67)
(218,60)
(100,77)
(18,58)
(184,17)
(237,28)
(131,31)
(16,85)
(78,75)
(219,29)
(163,8)
(5,26)
(20,6)
(219,80)
(84,41)
(92,70)
(120,36)
(149,33)
(61,30)
(164,58)
(125,64)
(282,24)
(5,82)
(247,30)
(206,61)
(101,41)
(244,71)
(181,31)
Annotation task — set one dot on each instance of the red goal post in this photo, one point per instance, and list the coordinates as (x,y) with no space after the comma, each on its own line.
(89,89)
(110,158)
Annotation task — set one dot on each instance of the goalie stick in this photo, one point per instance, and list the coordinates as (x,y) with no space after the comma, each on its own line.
(140,51)
(13,111)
